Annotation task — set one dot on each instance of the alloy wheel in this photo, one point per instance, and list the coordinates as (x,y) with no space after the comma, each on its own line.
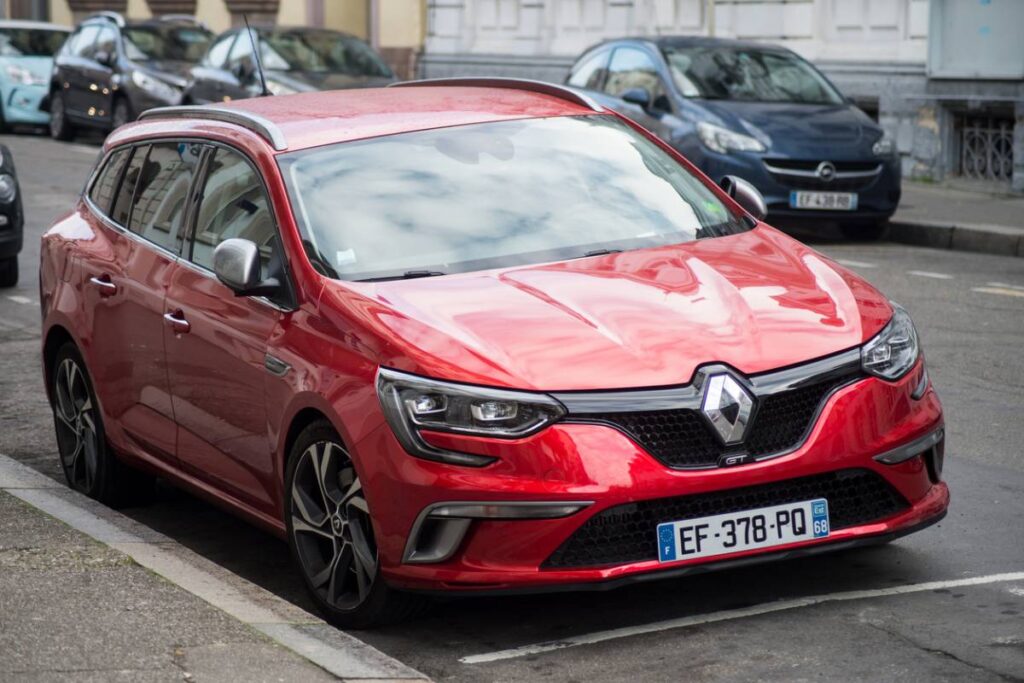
(77,437)
(331,527)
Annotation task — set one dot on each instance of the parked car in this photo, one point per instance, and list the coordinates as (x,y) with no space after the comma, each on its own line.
(470,336)
(293,59)
(759,112)
(110,70)
(12,220)
(26,60)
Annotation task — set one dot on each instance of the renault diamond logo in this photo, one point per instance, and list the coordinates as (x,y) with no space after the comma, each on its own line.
(728,406)
(826,171)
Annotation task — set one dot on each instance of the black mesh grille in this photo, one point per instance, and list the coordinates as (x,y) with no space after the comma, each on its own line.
(835,185)
(683,438)
(626,533)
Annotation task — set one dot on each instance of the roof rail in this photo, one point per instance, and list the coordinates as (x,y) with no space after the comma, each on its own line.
(183,18)
(115,17)
(560,91)
(267,130)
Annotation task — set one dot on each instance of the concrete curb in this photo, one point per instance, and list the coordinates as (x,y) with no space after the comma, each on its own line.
(335,651)
(988,239)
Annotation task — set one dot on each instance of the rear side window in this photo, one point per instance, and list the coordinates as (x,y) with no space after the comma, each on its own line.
(106,183)
(123,201)
(591,72)
(158,213)
(234,204)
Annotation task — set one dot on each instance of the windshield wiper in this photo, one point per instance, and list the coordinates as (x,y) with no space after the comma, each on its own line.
(407,275)
(600,252)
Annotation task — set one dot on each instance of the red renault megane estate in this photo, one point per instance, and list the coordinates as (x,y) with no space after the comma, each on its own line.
(474,336)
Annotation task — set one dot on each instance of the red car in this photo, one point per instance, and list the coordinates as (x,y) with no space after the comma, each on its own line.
(474,336)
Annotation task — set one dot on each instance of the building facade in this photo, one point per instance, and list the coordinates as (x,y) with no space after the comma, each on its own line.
(945,78)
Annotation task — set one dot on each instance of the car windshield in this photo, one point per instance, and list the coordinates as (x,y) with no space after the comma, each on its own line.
(748,74)
(30,42)
(494,195)
(320,51)
(172,43)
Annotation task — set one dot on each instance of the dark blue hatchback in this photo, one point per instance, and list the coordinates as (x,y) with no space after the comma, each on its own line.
(755,111)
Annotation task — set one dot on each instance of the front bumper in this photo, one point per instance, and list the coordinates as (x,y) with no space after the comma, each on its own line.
(22,104)
(599,464)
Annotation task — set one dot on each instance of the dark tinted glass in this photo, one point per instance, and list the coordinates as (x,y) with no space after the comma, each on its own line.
(493,195)
(162,193)
(725,73)
(234,204)
(123,202)
(30,42)
(106,183)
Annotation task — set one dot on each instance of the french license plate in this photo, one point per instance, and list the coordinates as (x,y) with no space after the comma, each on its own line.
(832,201)
(734,532)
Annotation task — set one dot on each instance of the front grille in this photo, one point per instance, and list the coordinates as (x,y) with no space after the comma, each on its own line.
(838,184)
(815,184)
(627,533)
(683,439)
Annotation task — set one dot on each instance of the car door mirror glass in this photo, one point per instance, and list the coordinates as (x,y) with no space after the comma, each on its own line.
(638,96)
(746,195)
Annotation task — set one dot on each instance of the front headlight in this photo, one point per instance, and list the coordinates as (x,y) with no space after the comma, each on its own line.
(156,87)
(722,140)
(22,76)
(892,352)
(8,188)
(884,147)
(412,404)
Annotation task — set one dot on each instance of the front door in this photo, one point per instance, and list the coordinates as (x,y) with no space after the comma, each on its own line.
(216,354)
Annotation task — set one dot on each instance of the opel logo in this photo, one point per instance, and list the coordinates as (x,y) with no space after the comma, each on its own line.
(728,406)
(826,171)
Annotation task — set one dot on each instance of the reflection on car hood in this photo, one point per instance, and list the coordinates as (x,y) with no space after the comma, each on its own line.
(174,72)
(810,131)
(756,301)
(306,81)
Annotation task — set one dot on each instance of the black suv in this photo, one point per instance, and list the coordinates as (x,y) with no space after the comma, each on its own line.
(109,70)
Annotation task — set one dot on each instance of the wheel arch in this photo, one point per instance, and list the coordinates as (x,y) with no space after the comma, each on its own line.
(56,337)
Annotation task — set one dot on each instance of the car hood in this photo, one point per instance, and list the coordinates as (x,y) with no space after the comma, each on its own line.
(39,67)
(174,72)
(809,131)
(306,81)
(755,301)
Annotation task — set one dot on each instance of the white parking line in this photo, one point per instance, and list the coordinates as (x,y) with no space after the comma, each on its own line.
(1003,285)
(728,615)
(855,264)
(999,290)
(20,299)
(339,653)
(928,273)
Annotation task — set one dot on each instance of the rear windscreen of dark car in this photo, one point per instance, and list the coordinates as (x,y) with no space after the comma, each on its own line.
(493,195)
(747,74)
(30,42)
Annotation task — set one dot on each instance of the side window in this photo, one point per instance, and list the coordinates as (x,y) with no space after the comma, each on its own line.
(233,204)
(106,182)
(125,193)
(632,68)
(590,73)
(85,41)
(106,42)
(241,51)
(162,193)
(218,53)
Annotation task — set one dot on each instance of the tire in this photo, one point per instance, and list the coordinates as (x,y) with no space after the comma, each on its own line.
(60,127)
(122,113)
(335,552)
(863,231)
(89,463)
(9,272)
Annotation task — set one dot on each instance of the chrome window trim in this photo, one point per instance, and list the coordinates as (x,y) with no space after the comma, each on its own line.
(263,127)
(839,175)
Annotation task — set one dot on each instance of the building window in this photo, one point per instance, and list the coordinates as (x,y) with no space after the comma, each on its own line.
(985,147)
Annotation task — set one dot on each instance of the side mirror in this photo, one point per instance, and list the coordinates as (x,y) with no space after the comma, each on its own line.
(638,96)
(746,195)
(105,58)
(242,71)
(236,263)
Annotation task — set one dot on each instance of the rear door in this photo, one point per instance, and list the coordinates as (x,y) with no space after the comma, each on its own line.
(126,271)
(217,356)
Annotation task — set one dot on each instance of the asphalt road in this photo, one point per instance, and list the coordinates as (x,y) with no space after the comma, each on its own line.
(735,625)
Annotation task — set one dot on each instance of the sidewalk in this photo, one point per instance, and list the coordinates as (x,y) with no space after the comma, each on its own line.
(95,596)
(954,218)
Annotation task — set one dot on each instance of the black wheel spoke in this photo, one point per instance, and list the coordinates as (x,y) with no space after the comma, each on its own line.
(300,525)
(365,557)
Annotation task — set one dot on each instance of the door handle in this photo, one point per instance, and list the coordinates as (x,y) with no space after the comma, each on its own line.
(177,322)
(104,285)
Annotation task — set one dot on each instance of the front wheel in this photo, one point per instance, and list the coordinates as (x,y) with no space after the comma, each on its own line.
(9,272)
(331,535)
(60,127)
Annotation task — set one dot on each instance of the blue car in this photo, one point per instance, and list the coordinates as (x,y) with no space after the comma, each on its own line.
(758,112)
(26,60)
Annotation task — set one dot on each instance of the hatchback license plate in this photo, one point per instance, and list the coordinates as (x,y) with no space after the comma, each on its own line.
(831,201)
(735,532)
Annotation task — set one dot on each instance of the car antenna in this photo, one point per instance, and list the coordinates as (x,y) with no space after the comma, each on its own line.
(264,90)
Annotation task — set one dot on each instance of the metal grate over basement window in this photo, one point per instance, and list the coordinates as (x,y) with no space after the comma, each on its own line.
(986,147)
